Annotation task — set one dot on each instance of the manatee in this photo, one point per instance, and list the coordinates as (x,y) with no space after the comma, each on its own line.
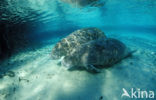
(96,54)
(78,37)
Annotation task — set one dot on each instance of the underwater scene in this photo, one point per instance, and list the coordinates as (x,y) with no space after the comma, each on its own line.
(77,49)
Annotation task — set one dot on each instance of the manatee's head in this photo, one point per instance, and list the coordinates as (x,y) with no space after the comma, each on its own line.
(67,62)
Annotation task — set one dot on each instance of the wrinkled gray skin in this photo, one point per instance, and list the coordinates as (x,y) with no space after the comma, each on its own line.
(97,53)
(82,3)
(75,39)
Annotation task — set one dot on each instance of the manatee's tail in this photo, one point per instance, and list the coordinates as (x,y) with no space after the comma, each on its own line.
(130,53)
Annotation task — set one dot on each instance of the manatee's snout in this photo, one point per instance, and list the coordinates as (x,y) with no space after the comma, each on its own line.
(66,62)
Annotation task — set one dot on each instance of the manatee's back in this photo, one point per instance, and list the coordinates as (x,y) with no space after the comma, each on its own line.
(101,52)
(105,52)
(75,39)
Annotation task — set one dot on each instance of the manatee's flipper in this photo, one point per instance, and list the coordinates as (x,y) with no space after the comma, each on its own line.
(60,60)
(93,69)
(59,63)
(71,68)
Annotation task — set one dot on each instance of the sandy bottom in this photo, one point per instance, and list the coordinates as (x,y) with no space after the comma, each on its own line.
(37,77)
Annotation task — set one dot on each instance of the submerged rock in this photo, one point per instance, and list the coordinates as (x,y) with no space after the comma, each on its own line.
(96,53)
(10,74)
(75,39)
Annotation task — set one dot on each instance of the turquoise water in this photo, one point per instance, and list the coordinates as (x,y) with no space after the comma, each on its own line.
(38,77)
